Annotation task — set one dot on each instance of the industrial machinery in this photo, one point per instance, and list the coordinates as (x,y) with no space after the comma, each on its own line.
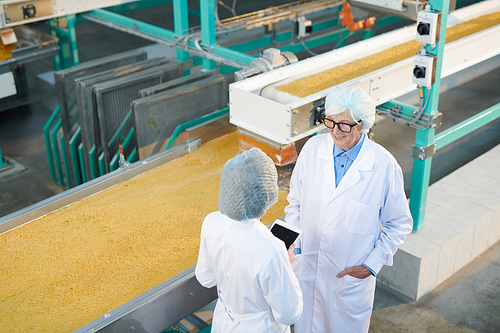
(259,107)
(268,116)
(19,12)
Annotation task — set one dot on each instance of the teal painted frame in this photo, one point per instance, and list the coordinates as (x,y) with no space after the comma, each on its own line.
(82,162)
(65,161)
(73,151)
(467,126)
(424,138)
(57,157)
(181,26)
(207,23)
(113,164)
(192,123)
(48,145)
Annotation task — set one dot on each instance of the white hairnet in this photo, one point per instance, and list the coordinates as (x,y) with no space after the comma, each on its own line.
(248,186)
(351,99)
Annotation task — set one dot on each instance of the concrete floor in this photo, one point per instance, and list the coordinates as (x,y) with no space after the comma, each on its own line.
(469,301)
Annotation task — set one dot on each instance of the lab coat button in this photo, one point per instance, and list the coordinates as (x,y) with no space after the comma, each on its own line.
(322,253)
(320,275)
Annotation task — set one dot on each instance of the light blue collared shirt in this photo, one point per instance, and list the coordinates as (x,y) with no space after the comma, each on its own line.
(343,159)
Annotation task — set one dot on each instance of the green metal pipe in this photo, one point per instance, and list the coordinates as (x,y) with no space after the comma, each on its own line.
(72,39)
(48,146)
(102,164)
(53,32)
(181,25)
(82,162)
(424,138)
(73,151)
(117,135)
(467,126)
(132,156)
(65,160)
(207,23)
(113,164)
(194,122)
(59,31)
(93,166)
(160,33)
(57,157)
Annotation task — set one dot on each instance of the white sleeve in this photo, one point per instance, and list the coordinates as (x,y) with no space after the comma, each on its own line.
(281,288)
(396,220)
(292,211)
(203,271)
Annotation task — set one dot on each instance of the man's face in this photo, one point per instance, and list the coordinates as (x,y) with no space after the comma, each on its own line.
(342,139)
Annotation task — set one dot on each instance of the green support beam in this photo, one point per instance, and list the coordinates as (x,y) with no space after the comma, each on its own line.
(178,130)
(425,138)
(181,26)
(93,165)
(467,126)
(57,157)
(152,32)
(65,160)
(207,22)
(48,145)
(73,151)
(82,162)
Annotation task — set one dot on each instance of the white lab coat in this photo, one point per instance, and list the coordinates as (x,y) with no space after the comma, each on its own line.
(342,228)
(258,291)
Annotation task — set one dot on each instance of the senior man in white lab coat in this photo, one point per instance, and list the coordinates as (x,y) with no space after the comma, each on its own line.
(258,291)
(347,194)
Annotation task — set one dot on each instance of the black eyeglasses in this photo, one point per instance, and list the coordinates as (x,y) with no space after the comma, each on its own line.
(343,127)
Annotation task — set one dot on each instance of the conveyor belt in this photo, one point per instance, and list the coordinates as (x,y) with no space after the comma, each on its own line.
(383,75)
(75,265)
(315,83)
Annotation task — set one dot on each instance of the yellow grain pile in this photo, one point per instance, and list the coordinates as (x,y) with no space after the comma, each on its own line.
(317,82)
(5,50)
(66,269)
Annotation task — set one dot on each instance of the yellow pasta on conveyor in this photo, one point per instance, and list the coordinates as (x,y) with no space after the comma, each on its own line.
(317,82)
(66,269)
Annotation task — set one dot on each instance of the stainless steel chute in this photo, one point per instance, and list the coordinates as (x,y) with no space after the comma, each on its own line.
(157,116)
(113,98)
(65,84)
(84,87)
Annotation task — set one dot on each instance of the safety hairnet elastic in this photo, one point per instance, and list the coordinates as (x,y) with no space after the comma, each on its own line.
(249,186)
(355,100)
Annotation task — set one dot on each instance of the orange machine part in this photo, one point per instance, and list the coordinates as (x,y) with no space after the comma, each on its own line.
(281,157)
(347,19)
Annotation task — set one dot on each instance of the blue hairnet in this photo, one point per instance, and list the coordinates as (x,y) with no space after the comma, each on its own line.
(351,99)
(248,186)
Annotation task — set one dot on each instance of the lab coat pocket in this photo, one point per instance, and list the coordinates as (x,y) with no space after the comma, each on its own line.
(354,295)
(362,218)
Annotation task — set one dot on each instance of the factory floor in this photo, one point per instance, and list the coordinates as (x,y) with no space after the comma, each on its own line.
(467,302)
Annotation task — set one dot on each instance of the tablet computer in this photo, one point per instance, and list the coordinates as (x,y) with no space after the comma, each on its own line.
(286,232)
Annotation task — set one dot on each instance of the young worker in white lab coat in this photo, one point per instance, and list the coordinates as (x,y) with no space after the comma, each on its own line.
(258,291)
(347,194)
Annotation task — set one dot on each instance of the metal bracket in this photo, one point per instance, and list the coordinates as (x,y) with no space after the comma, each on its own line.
(398,114)
(396,110)
(422,152)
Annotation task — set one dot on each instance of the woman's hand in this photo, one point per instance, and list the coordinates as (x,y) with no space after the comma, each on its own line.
(291,255)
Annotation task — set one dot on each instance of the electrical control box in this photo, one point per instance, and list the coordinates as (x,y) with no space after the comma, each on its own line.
(428,26)
(18,12)
(304,27)
(424,69)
